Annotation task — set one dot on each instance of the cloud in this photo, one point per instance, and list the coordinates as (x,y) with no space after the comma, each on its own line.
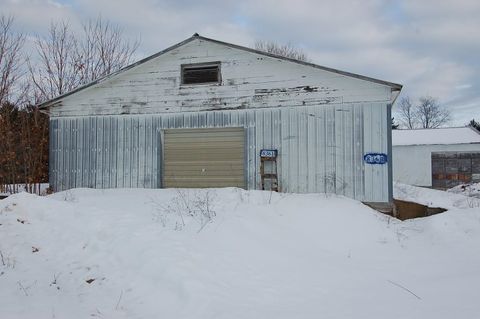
(35,16)
(429,46)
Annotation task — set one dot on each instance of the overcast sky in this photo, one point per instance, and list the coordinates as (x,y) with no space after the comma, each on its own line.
(432,47)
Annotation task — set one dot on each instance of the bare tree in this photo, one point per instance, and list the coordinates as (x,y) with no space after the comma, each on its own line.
(427,113)
(406,113)
(102,50)
(11,61)
(68,60)
(285,50)
(431,114)
(55,72)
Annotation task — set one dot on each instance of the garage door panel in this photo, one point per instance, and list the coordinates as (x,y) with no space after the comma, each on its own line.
(217,150)
(204,157)
(201,156)
(195,147)
(214,164)
(207,137)
(201,182)
(177,169)
(198,172)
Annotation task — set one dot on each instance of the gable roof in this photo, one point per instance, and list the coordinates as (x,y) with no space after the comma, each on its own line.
(394,86)
(443,136)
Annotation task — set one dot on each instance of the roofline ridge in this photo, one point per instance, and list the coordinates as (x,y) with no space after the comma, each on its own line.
(394,86)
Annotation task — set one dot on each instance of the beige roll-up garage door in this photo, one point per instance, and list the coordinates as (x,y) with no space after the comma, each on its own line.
(197,158)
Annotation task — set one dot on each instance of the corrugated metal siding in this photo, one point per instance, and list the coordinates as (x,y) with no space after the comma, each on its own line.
(321,148)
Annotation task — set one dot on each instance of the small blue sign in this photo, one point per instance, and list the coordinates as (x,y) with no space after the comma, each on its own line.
(375,158)
(268,153)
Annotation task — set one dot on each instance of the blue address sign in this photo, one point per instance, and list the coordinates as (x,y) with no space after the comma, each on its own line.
(375,158)
(269,153)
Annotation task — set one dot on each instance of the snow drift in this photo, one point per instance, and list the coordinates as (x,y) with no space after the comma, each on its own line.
(230,253)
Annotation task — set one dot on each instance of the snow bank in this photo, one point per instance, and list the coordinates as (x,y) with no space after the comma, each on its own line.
(229,253)
(471,190)
(434,198)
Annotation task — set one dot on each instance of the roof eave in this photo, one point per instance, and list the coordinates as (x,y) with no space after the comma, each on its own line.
(394,86)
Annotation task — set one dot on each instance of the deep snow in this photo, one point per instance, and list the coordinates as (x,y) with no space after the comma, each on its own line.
(470,189)
(263,255)
(434,198)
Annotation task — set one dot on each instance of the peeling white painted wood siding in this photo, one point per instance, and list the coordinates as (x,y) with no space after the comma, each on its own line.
(320,148)
(249,80)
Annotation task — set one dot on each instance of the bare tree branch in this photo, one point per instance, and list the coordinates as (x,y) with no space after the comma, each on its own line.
(11,44)
(428,113)
(407,113)
(102,50)
(55,73)
(68,60)
(431,114)
(285,50)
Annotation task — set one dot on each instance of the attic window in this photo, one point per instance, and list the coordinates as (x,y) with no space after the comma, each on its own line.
(201,73)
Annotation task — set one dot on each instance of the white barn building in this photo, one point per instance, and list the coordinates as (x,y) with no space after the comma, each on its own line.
(439,158)
(198,114)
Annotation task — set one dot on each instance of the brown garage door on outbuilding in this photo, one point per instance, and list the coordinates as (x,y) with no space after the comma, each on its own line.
(197,158)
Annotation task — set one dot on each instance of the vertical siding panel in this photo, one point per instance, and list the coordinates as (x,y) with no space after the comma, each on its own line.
(293,142)
(82,133)
(84,151)
(302,154)
(72,144)
(52,154)
(330,174)
(147,183)
(73,153)
(311,128)
(135,152)
(61,154)
(339,150)
(67,144)
(105,153)
(113,151)
(277,144)
(369,132)
(127,169)
(252,161)
(93,152)
(348,145)
(320,147)
(283,172)
(99,145)
(141,152)
(384,122)
(120,173)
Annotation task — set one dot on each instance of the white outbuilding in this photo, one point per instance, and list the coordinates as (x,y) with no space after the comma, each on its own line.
(439,158)
(206,113)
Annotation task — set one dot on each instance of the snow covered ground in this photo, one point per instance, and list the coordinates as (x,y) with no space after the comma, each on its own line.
(229,253)
(434,198)
(471,190)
